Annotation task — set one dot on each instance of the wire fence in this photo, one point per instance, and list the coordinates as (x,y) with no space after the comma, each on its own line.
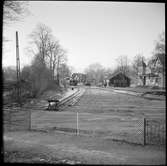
(155,131)
(130,129)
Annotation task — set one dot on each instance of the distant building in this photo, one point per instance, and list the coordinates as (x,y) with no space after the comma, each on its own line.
(78,78)
(119,79)
(154,73)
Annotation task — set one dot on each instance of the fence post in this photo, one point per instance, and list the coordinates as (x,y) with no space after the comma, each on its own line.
(144,142)
(159,130)
(77,125)
(10,120)
(29,110)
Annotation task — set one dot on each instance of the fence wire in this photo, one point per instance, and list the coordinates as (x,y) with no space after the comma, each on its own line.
(155,131)
(129,129)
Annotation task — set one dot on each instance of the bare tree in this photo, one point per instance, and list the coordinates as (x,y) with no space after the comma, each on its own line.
(56,56)
(160,44)
(49,49)
(14,10)
(64,72)
(40,38)
(137,63)
(51,55)
(95,73)
(123,63)
(48,58)
(61,58)
(40,73)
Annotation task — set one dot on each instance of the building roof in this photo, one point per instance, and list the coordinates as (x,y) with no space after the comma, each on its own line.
(161,57)
(78,74)
(118,72)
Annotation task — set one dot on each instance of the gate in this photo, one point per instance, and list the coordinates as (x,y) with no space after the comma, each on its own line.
(154,131)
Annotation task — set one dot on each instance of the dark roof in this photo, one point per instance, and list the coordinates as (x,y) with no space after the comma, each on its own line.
(118,72)
(161,57)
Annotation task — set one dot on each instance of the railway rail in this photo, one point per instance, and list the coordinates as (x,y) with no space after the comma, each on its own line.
(66,101)
(43,104)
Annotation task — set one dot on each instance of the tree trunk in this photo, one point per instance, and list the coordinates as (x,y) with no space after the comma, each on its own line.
(144,80)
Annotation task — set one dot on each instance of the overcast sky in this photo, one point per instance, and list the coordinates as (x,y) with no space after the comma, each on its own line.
(90,31)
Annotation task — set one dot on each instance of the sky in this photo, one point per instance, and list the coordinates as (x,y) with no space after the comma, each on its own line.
(91,32)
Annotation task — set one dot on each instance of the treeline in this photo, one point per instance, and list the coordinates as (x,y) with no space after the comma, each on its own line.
(48,68)
(49,65)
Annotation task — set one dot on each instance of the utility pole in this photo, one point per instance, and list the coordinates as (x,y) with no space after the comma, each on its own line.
(58,77)
(18,70)
(144,71)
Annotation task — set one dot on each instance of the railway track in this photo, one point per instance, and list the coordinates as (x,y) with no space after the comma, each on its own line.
(70,100)
(62,103)
(39,105)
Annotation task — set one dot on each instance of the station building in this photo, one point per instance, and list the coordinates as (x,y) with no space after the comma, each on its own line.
(119,79)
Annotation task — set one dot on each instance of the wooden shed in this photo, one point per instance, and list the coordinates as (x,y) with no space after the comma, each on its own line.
(119,79)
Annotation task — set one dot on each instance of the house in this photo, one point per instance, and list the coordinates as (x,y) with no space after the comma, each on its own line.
(77,78)
(80,77)
(153,74)
(119,79)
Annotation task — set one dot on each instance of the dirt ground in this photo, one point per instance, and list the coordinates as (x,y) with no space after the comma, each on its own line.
(59,147)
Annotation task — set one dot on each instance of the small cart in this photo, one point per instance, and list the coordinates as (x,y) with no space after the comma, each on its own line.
(53,104)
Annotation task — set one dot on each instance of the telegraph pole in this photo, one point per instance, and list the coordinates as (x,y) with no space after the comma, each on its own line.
(18,70)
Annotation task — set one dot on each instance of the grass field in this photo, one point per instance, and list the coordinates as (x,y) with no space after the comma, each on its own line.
(109,124)
(105,114)
(63,147)
(139,89)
